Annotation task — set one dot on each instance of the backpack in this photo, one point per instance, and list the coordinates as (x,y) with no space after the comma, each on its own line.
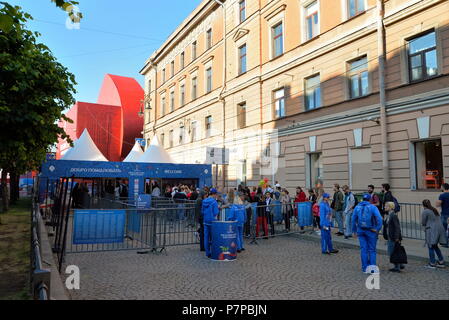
(397,207)
(316,209)
(366,218)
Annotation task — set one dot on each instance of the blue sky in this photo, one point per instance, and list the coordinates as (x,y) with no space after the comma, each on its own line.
(114,37)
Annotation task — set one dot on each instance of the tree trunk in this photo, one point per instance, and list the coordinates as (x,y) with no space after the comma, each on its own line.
(5,195)
(14,187)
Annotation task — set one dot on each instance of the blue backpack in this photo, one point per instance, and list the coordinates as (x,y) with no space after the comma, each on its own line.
(366,217)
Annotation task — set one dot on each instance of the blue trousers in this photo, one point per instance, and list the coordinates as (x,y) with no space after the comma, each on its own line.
(239,237)
(207,238)
(348,224)
(368,243)
(339,219)
(326,241)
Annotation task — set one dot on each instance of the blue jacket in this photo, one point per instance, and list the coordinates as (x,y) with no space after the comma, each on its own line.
(209,210)
(325,215)
(237,213)
(358,211)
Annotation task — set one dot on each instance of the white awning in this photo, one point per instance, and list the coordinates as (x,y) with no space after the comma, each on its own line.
(155,153)
(135,153)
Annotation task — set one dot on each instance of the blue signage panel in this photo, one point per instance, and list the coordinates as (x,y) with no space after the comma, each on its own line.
(143,202)
(305,214)
(224,240)
(277,211)
(98,226)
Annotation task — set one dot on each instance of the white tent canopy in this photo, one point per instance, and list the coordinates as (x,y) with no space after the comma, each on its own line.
(135,153)
(155,153)
(84,149)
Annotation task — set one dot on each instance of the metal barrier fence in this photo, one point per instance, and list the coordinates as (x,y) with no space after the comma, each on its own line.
(410,221)
(40,277)
(172,222)
(131,229)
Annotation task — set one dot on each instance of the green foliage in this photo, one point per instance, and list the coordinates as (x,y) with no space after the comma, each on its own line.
(34,91)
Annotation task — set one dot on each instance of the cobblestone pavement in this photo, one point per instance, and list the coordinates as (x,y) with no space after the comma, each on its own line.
(280,268)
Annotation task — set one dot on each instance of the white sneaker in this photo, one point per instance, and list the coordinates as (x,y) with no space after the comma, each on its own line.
(318,232)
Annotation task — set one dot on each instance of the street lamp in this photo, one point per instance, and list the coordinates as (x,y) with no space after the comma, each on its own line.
(141,113)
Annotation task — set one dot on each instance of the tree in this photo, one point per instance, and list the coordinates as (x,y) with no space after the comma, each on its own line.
(34,91)
(6,21)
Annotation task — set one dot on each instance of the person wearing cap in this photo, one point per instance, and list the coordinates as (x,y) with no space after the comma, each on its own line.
(366,223)
(326,224)
(209,212)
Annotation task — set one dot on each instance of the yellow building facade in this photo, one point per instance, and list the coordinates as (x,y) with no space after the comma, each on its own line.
(290,90)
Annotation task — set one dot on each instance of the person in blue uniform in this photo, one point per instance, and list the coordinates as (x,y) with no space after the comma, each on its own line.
(325,225)
(366,223)
(240,217)
(209,212)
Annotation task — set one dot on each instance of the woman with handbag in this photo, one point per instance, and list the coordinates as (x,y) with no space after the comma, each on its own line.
(435,234)
(392,233)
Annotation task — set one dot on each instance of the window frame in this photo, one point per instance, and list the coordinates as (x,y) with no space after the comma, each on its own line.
(182,60)
(170,138)
(357,11)
(194,89)
(194,131)
(241,115)
(275,100)
(208,127)
(162,137)
(315,87)
(194,50)
(182,94)
(274,37)
(422,54)
(414,164)
(172,68)
(163,106)
(242,10)
(172,100)
(310,16)
(359,74)
(240,56)
(209,38)
(209,84)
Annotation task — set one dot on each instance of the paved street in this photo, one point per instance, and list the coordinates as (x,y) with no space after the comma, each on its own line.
(281,268)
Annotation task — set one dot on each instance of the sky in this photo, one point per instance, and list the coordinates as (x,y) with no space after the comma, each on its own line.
(114,36)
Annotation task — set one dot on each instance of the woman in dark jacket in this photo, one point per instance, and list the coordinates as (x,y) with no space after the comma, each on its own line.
(392,232)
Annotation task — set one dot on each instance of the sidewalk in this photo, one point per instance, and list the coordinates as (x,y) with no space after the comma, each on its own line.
(415,248)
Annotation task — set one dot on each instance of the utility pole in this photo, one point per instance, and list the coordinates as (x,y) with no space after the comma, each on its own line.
(382,96)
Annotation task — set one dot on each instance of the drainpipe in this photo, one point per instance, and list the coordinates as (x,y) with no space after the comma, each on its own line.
(154,66)
(382,95)
(223,88)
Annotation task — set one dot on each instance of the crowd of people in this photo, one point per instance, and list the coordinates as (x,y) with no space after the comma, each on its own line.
(374,215)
